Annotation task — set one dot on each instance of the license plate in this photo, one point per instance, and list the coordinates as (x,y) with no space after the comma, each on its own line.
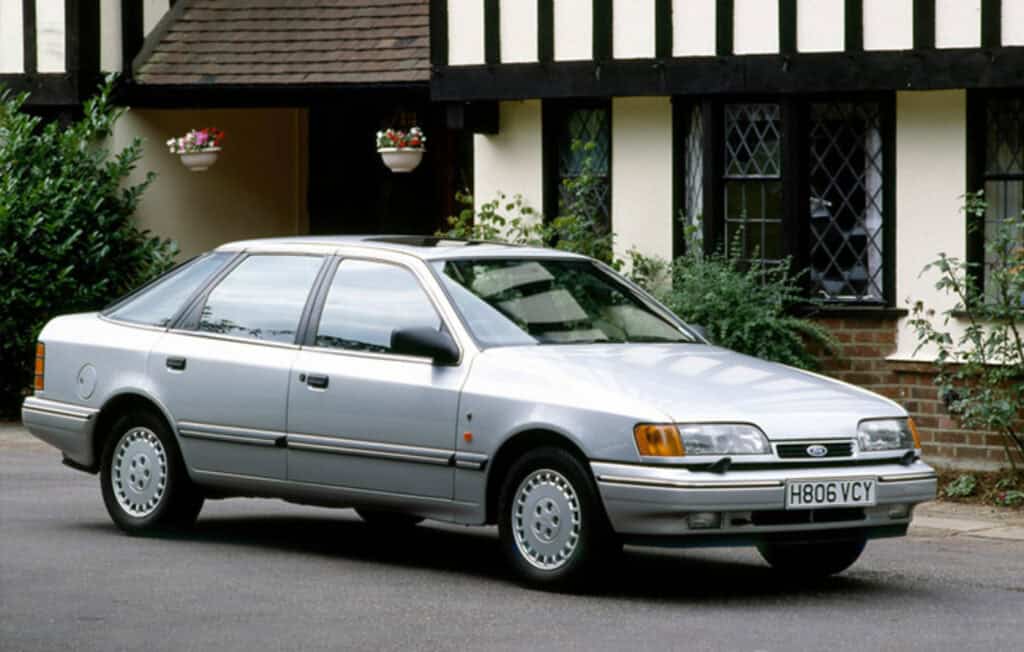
(811,494)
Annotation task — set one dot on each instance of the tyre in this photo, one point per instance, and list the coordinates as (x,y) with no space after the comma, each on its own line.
(812,560)
(389,520)
(551,522)
(143,478)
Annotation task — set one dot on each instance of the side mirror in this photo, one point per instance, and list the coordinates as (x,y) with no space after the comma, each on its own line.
(700,331)
(425,342)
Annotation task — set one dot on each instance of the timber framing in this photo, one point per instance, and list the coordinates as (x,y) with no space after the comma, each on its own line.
(932,69)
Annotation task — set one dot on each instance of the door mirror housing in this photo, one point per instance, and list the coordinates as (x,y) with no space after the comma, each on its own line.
(425,342)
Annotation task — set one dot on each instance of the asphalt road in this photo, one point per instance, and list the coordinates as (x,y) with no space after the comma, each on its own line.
(265,575)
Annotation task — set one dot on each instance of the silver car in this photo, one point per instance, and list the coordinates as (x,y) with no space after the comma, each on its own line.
(474,383)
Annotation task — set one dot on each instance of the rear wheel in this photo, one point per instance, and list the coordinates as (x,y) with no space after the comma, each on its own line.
(143,479)
(552,525)
(384,519)
(812,560)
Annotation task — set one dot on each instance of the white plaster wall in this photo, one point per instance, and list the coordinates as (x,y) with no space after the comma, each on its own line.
(110,35)
(12,44)
(958,23)
(642,175)
(518,31)
(511,161)
(888,24)
(1013,22)
(633,31)
(755,27)
(152,12)
(820,25)
(465,32)
(931,158)
(257,188)
(693,28)
(50,46)
(574,29)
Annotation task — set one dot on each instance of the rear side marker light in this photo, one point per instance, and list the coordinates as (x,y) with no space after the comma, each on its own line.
(39,384)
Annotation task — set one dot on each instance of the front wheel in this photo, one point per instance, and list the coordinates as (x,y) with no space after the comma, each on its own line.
(812,560)
(143,479)
(551,522)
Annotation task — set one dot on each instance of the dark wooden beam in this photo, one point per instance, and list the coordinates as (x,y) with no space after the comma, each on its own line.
(854,25)
(131,32)
(492,31)
(924,24)
(439,32)
(545,30)
(787,26)
(663,29)
(28,31)
(992,23)
(818,72)
(723,27)
(602,30)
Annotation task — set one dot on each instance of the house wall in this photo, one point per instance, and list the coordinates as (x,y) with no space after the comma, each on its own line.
(511,161)
(257,188)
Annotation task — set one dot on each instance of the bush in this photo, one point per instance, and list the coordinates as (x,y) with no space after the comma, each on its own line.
(67,239)
(962,487)
(746,308)
(981,366)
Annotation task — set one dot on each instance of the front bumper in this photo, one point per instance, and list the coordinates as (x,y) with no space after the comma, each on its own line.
(652,501)
(63,425)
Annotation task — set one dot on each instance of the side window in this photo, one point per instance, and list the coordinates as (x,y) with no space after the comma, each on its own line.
(262,298)
(157,304)
(367,302)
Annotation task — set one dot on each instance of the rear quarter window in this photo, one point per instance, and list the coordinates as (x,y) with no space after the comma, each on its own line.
(159,302)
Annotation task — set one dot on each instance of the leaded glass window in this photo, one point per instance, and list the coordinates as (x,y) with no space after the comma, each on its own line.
(693,201)
(584,147)
(753,181)
(846,202)
(1004,164)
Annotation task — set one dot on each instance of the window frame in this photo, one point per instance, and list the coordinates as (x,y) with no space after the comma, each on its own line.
(976,133)
(315,307)
(188,322)
(553,116)
(796,237)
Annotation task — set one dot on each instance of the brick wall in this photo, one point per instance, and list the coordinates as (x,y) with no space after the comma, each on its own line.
(861,360)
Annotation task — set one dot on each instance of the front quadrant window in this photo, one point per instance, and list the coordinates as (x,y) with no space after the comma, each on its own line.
(1004,166)
(583,144)
(752,182)
(262,298)
(846,205)
(367,302)
(523,301)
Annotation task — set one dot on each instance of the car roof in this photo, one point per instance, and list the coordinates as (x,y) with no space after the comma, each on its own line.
(421,246)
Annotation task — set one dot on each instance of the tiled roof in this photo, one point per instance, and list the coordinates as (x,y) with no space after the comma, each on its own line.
(289,42)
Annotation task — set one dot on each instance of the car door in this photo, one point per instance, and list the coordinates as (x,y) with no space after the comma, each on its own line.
(223,374)
(359,415)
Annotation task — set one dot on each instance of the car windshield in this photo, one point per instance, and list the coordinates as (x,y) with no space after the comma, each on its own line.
(515,301)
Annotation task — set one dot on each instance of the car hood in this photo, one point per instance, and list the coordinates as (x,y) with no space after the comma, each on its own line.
(691,383)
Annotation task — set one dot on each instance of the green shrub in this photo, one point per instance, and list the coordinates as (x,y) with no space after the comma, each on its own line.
(67,239)
(962,487)
(746,308)
(981,366)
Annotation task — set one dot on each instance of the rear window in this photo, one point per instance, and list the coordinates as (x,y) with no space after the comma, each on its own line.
(158,303)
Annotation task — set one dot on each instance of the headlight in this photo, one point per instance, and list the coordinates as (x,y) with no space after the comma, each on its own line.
(667,440)
(887,434)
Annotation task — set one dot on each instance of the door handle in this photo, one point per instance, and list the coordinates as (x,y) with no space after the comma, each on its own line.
(175,363)
(318,381)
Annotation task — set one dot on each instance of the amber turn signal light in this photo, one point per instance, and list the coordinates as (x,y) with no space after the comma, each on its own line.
(914,433)
(658,440)
(39,383)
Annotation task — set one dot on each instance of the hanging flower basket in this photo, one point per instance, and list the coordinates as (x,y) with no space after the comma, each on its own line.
(401,151)
(198,148)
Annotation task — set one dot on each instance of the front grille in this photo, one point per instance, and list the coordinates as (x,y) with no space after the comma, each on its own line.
(800,517)
(799,451)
